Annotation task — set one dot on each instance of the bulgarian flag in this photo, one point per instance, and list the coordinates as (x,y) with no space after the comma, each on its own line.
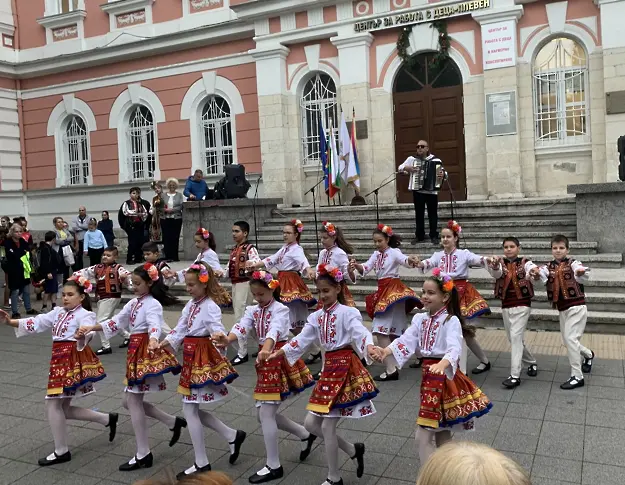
(329,160)
(353,169)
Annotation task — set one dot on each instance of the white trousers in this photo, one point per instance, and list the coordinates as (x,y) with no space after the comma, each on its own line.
(104,312)
(241,298)
(572,325)
(515,321)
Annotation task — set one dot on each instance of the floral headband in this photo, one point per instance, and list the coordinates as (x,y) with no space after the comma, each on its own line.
(204,233)
(332,271)
(329,228)
(151,270)
(83,282)
(454,226)
(388,230)
(447,283)
(202,270)
(298,224)
(267,278)
(155,184)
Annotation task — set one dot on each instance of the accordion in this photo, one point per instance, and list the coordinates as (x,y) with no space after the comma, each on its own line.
(429,175)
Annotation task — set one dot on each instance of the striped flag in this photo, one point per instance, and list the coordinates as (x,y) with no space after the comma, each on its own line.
(353,169)
(334,165)
(327,156)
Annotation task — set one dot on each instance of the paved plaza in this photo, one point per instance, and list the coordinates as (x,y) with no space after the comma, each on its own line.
(560,436)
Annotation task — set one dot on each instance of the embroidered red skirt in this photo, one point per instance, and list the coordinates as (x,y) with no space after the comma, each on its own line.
(142,363)
(293,288)
(391,291)
(344,383)
(203,365)
(347,297)
(71,369)
(277,379)
(472,304)
(446,403)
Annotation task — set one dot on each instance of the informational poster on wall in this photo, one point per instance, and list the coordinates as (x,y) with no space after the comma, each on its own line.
(499,44)
(501,113)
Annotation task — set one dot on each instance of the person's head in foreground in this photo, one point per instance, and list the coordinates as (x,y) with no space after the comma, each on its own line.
(468,463)
(208,478)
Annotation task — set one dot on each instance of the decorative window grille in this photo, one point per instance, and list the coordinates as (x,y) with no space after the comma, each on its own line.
(141,143)
(560,101)
(76,152)
(216,135)
(318,101)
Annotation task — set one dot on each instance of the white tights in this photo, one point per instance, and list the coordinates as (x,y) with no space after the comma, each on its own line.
(326,427)
(474,346)
(428,441)
(139,409)
(197,419)
(384,341)
(271,421)
(59,411)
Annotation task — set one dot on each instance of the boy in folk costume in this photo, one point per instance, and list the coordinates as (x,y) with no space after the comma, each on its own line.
(133,217)
(515,290)
(152,254)
(108,276)
(564,278)
(241,254)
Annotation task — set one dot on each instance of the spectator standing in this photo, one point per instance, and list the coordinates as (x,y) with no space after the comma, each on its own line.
(196,188)
(158,205)
(18,269)
(94,243)
(3,263)
(49,264)
(80,225)
(64,237)
(172,220)
(106,226)
(133,218)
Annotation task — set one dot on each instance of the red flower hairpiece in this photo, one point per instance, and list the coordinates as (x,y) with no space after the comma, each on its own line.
(454,226)
(204,233)
(332,271)
(151,270)
(267,278)
(202,272)
(298,224)
(83,282)
(329,228)
(388,230)
(446,281)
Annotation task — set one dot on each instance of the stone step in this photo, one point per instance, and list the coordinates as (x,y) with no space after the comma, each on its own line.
(353,235)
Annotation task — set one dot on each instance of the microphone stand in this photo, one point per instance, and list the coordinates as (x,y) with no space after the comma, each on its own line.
(452,199)
(254,210)
(375,192)
(312,191)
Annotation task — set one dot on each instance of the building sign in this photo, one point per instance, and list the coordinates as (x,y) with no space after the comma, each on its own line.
(501,113)
(499,44)
(421,16)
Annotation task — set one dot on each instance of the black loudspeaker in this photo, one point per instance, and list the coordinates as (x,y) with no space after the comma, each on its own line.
(234,185)
(620,144)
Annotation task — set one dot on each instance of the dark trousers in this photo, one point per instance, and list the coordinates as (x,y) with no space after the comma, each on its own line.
(136,238)
(171,237)
(95,255)
(420,202)
(78,262)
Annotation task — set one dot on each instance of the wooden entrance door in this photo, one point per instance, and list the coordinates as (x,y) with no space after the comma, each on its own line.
(428,106)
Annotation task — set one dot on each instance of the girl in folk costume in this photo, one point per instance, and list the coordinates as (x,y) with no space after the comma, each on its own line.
(345,388)
(146,363)
(73,366)
(205,371)
(449,399)
(393,300)
(277,380)
(455,262)
(205,242)
(291,262)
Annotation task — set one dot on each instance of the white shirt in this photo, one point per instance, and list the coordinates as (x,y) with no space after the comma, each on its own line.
(272,321)
(336,257)
(437,337)
(575,265)
(139,315)
(386,263)
(409,162)
(455,264)
(122,273)
(498,272)
(291,257)
(200,318)
(64,323)
(337,327)
(207,256)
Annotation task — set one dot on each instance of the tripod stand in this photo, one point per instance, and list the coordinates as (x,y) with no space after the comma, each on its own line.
(375,192)
(312,191)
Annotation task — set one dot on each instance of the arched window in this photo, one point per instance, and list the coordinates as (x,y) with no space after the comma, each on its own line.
(76,157)
(141,144)
(318,100)
(560,74)
(216,135)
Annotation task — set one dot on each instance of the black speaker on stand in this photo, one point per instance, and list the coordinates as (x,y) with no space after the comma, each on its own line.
(233,185)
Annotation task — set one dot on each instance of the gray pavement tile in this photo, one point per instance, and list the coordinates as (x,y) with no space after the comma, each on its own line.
(525,411)
(81,458)
(548,481)
(384,443)
(557,468)
(604,419)
(604,445)
(496,392)
(566,415)
(561,440)
(14,471)
(524,459)
(50,476)
(596,380)
(519,425)
(613,393)
(609,368)
(499,408)
(535,393)
(403,469)
(520,443)
(594,474)
(606,405)
(375,463)
(26,450)
(393,426)
(572,399)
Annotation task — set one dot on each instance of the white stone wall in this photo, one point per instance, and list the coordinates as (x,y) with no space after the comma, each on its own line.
(10,150)
(614,80)
(474,139)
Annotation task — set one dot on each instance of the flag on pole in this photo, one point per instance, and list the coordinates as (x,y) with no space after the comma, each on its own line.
(353,169)
(345,149)
(334,166)
(323,154)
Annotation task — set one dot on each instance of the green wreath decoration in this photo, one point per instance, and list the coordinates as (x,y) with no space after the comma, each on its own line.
(444,43)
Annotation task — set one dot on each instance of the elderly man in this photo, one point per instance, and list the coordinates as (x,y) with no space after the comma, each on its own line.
(196,188)
(80,225)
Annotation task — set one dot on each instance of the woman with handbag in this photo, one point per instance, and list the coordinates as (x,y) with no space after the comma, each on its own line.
(18,269)
(63,245)
(172,220)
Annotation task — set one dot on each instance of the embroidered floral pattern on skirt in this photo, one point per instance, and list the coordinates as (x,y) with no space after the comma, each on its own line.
(472,304)
(293,288)
(391,291)
(72,373)
(143,365)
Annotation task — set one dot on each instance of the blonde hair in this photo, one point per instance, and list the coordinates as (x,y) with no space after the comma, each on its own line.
(468,463)
(208,478)
(170,180)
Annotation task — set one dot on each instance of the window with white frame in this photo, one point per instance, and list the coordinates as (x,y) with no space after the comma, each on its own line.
(216,135)
(560,75)
(66,6)
(77,160)
(318,101)
(141,144)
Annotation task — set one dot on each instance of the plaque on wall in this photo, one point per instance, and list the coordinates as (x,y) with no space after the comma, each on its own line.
(362,132)
(501,113)
(615,102)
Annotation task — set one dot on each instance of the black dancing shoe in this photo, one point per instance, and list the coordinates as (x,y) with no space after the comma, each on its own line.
(387,377)
(317,376)
(145,462)
(113,418)
(304,453)
(180,423)
(254,355)
(238,441)
(125,343)
(312,358)
(266,475)
(197,470)
(104,351)
(416,364)
(572,383)
(330,482)
(532,370)
(64,458)
(587,363)
(240,360)
(360,458)
(512,382)
(479,370)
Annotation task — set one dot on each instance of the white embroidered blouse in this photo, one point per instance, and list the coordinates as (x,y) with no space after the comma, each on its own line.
(575,265)
(291,257)
(438,336)
(455,264)
(337,327)
(336,257)
(386,263)
(140,315)
(200,318)
(271,321)
(64,323)
(207,256)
